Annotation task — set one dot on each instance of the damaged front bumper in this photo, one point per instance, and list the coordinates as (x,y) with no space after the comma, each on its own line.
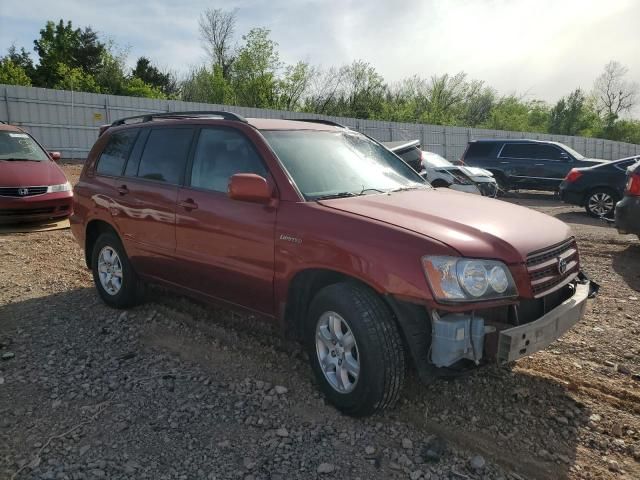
(523,340)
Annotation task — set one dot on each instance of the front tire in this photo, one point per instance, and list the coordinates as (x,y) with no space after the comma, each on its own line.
(355,349)
(600,202)
(114,277)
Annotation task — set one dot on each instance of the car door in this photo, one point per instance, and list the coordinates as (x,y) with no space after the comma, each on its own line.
(144,209)
(226,246)
(534,165)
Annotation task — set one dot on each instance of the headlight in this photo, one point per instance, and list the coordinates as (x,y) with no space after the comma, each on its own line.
(455,279)
(63,187)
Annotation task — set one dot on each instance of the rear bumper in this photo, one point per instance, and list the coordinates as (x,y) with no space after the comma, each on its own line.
(523,340)
(628,215)
(36,208)
(568,196)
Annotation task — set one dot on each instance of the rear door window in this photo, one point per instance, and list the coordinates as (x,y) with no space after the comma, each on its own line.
(221,153)
(115,154)
(165,154)
(535,151)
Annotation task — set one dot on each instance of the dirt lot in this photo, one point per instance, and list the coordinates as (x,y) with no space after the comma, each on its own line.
(174,389)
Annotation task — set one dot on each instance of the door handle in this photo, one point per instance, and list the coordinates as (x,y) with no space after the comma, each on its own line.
(505,163)
(188,204)
(539,164)
(123,190)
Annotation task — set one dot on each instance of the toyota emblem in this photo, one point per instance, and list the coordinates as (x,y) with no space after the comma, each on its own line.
(562,265)
(23,191)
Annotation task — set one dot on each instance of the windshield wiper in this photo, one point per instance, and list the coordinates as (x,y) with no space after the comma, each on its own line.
(402,189)
(336,195)
(362,192)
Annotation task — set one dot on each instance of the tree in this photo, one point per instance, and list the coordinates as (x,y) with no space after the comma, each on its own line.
(615,95)
(12,74)
(363,91)
(74,78)
(136,87)
(217,28)
(151,75)
(293,85)
(570,115)
(21,59)
(203,85)
(112,76)
(255,70)
(61,43)
(511,113)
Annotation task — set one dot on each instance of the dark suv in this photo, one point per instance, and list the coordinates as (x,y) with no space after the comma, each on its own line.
(299,223)
(525,164)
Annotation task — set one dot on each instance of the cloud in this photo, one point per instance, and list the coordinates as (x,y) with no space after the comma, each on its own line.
(544,48)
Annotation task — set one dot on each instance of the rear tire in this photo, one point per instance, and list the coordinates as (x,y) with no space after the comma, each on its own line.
(439,183)
(601,202)
(365,336)
(117,283)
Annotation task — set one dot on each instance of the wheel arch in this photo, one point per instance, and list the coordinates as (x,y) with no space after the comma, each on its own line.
(412,320)
(94,229)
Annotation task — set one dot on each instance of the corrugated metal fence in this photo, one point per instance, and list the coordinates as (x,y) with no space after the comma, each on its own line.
(68,122)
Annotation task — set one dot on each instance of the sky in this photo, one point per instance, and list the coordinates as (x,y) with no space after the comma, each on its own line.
(538,48)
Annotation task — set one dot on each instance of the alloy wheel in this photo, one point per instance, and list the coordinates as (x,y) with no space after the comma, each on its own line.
(337,352)
(601,204)
(110,270)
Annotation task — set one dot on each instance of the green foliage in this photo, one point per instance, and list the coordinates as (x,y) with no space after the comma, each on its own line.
(254,72)
(512,113)
(207,86)
(251,74)
(62,44)
(151,75)
(75,79)
(136,87)
(12,74)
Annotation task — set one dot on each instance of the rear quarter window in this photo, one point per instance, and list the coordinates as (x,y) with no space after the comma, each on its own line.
(115,154)
(480,150)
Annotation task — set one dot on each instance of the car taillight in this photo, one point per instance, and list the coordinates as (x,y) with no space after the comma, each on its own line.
(633,185)
(573,175)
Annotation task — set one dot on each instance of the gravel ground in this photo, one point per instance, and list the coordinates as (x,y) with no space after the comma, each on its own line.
(175,389)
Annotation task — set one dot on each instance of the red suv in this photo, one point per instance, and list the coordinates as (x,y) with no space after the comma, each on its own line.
(325,232)
(32,187)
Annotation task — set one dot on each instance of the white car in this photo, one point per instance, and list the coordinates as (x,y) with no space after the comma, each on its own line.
(449,176)
(437,167)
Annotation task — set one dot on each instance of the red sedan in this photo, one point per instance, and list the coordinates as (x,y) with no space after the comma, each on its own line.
(32,187)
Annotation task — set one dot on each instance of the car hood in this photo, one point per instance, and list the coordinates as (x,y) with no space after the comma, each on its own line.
(30,174)
(476,172)
(474,226)
(594,161)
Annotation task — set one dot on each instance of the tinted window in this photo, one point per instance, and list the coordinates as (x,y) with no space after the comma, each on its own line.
(165,154)
(115,154)
(530,150)
(221,153)
(412,157)
(479,150)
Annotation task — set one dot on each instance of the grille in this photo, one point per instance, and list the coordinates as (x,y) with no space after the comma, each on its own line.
(25,211)
(544,271)
(19,191)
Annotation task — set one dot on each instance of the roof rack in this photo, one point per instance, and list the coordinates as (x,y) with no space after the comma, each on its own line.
(318,120)
(148,117)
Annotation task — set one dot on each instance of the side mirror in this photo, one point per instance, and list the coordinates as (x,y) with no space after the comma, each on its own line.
(55,156)
(249,187)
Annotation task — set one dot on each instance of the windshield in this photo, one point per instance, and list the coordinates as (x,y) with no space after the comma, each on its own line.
(571,151)
(433,160)
(328,163)
(20,146)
